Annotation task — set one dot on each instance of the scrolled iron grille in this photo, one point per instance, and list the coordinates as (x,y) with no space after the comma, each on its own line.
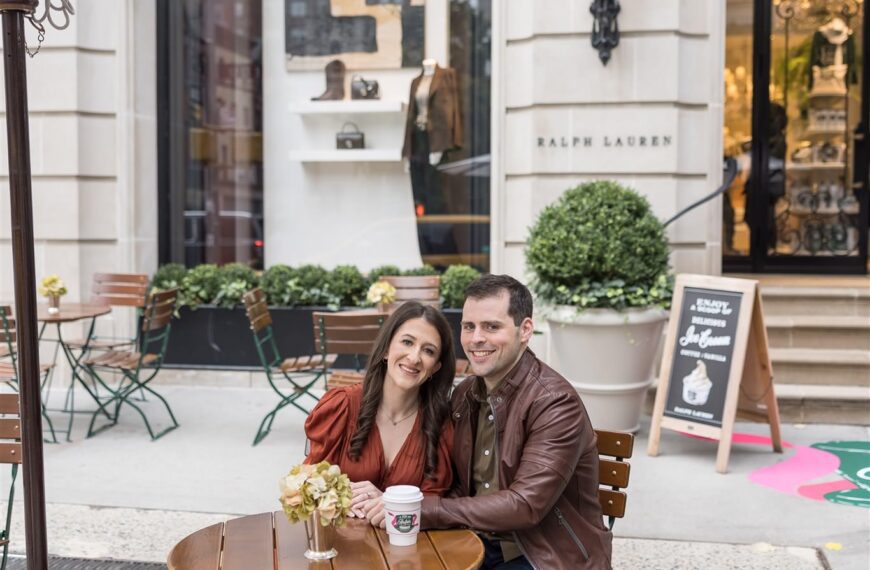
(819,217)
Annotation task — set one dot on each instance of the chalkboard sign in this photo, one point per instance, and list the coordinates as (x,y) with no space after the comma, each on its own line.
(703,352)
(715,364)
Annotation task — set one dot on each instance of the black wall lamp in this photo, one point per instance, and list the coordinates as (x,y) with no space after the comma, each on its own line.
(605,31)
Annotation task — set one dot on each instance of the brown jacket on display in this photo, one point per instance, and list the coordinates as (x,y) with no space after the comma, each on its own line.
(445,117)
(548,471)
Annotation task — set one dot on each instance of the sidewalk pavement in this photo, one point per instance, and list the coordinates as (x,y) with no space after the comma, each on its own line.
(120,495)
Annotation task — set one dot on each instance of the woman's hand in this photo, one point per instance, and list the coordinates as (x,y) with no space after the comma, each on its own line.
(365,496)
(376,514)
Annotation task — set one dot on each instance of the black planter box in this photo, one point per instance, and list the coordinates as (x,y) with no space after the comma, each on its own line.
(215,337)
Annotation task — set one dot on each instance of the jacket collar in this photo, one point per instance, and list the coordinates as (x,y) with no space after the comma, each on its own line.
(510,383)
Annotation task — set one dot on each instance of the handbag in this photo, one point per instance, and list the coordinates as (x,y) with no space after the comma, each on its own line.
(345,139)
(364,88)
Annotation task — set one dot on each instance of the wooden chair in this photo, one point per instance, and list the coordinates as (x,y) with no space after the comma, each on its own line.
(300,371)
(351,333)
(613,473)
(117,290)
(425,289)
(10,453)
(137,368)
(9,368)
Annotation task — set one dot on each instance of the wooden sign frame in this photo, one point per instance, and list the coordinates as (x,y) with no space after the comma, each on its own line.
(750,391)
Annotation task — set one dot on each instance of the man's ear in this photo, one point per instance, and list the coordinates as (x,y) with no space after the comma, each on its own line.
(527,328)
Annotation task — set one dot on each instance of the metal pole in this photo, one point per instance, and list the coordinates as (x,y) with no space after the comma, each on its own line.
(18,141)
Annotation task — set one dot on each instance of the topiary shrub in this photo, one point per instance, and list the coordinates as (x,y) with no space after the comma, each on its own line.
(453,284)
(275,283)
(348,284)
(235,280)
(599,246)
(425,270)
(375,274)
(168,276)
(201,285)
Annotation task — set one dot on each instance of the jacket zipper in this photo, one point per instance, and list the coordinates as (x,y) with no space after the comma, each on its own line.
(570,530)
(497,457)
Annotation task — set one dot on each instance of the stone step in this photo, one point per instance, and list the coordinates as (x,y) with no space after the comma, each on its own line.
(818,331)
(784,300)
(821,366)
(822,404)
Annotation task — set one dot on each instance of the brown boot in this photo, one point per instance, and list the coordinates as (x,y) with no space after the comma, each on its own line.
(334,82)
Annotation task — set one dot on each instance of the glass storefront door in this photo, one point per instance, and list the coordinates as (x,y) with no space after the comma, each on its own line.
(796,118)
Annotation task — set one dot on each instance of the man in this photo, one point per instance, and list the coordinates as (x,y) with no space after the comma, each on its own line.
(524,451)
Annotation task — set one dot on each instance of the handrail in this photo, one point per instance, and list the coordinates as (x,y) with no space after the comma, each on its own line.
(730,173)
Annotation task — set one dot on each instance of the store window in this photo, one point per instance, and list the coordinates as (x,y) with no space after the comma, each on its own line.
(795,120)
(210,131)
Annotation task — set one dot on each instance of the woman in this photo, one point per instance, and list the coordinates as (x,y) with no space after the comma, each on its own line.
(394,428)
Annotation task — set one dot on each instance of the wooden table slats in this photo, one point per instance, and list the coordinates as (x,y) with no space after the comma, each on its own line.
(248,542)
(269,542)
(70,312)
(199,551)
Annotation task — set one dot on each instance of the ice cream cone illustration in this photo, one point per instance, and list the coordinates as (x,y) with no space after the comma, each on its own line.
(696,385)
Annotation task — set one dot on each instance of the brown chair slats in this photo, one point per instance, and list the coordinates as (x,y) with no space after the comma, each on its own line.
(136,278)
(7,370)
(343,334)
(10,453)
(10,428)
(613,471)
(351,319)
(612,503)
(424,288)
(348,346)
(341,378)
(128,289)
(9,404)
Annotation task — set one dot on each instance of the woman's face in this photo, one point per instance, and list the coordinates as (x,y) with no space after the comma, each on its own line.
(413,355)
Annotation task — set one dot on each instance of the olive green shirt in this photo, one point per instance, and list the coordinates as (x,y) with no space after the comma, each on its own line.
(484,474)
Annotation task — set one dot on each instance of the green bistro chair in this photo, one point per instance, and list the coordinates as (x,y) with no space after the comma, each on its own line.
(10,453)
(351,333)
(9,362)
(137,368)
(301,372)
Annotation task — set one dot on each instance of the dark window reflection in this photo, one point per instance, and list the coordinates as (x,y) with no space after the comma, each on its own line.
(223,118)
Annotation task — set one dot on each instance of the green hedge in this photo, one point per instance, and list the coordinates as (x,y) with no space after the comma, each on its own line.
(306,285)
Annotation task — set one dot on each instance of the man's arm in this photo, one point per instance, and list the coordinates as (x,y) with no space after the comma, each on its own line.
(559,434)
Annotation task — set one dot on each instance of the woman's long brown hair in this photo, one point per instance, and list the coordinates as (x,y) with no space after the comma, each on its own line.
(433,392)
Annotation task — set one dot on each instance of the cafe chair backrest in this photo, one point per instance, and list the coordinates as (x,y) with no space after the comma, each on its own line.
(614,447)
(423,288)
(10,454)
(128,289)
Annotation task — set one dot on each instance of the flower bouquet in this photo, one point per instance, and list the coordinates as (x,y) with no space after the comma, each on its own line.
(381,293)
(319,495)
(53,288)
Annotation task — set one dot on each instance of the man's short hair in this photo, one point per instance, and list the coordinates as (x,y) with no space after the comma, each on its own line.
(520,303)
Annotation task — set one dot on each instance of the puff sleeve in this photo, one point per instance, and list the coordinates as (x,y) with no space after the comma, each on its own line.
(326,427)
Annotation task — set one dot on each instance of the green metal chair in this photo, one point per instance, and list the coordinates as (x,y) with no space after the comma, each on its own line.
(351,333)
(9,364)
(137,368)
(301,372)
(10,453)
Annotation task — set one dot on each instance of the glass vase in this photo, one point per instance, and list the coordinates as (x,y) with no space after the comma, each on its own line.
(321,539)
(53,304)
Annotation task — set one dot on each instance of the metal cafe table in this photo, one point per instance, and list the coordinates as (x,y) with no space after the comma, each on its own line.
(270,541)
(69,313)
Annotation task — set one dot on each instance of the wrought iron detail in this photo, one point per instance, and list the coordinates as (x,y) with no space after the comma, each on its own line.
(605,30)
(63,7)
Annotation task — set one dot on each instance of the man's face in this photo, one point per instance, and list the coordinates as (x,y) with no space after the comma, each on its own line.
(491,340)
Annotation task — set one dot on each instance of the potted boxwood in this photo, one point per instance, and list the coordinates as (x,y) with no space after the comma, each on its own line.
(599,260)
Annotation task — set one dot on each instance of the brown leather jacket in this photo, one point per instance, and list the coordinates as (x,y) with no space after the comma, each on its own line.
(445,115)
(548,471)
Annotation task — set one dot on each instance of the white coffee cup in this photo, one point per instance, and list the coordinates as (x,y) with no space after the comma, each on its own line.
(402,514)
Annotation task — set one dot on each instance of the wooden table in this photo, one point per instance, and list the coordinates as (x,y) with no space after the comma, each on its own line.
(69,313)
(269,541)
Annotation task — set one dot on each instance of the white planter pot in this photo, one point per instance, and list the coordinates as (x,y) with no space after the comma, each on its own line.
(609,357)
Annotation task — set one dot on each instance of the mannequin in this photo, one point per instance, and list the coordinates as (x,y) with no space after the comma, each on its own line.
(433,127)
(832,57)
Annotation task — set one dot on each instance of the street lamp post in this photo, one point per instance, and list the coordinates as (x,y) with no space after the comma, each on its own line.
(13,14)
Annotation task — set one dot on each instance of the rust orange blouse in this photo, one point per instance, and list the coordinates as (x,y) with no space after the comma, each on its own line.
(331,424)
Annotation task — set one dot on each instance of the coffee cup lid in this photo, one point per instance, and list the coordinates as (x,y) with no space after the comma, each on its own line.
(403,494)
